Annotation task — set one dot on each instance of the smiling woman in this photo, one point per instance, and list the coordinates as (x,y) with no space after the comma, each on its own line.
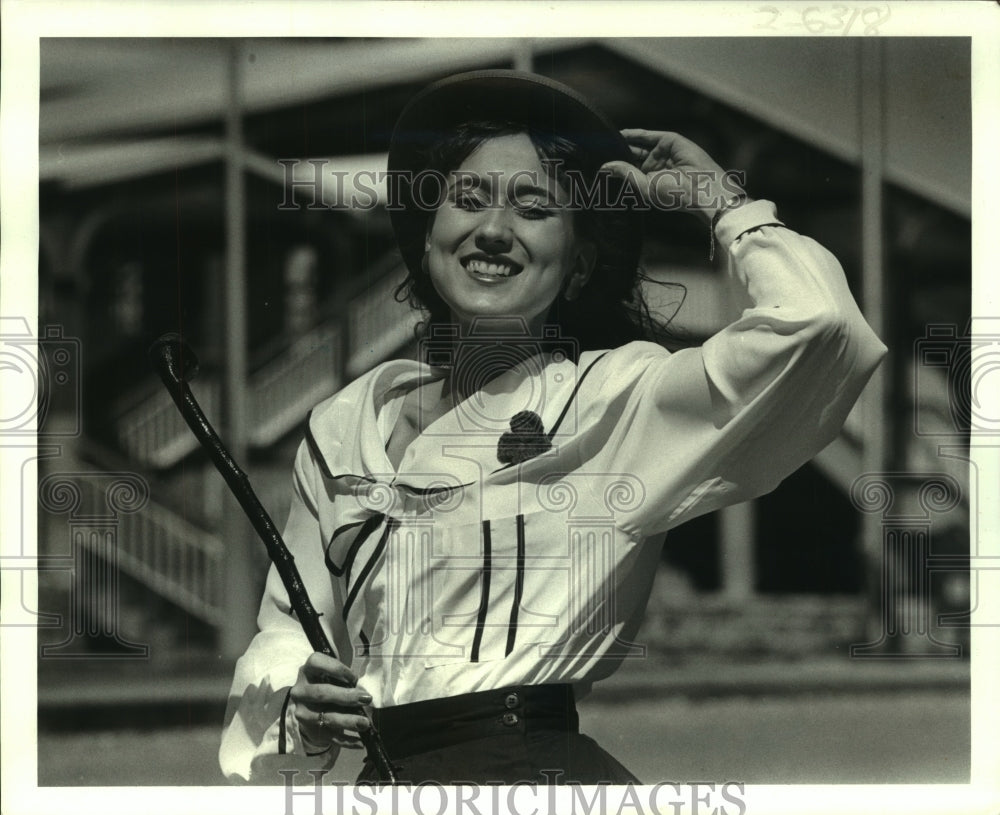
(480,530)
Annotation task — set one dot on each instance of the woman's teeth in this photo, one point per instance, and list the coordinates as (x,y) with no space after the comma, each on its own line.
(494,269)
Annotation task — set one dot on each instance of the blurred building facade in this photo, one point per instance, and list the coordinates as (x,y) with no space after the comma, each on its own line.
(174,173)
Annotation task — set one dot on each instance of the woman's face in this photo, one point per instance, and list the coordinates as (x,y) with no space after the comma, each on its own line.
(503,241)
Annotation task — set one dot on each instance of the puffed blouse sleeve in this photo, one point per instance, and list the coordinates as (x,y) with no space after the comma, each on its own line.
(705,427)
(259,735)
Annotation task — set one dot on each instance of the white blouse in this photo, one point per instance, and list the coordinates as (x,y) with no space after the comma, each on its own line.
(454,573)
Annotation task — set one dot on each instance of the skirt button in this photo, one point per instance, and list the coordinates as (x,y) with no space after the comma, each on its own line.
(512,700)
(510,719)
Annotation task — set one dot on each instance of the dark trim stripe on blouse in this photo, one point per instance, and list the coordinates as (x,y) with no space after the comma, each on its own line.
(282,735)
(425,491)
(484,597)
(314,447)
(367,527)
(353,593)
(572,396)
(518,587)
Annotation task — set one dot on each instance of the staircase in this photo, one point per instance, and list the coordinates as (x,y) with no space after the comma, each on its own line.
(281,392)
(283,388)
(126,576)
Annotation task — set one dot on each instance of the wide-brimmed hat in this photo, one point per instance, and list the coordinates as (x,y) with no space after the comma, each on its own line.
(537,102)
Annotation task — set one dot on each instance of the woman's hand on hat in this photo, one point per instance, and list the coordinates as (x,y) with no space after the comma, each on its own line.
(328,703)
(672,172)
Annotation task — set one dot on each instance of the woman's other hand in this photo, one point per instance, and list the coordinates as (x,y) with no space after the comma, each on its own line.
(672,172)
(328,703)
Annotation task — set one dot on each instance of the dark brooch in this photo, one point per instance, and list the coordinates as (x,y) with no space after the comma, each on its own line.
(526,439)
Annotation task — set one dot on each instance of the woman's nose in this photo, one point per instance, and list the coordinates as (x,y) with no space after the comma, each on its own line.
(494,229)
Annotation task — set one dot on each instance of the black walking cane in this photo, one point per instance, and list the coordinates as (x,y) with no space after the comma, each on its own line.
(176,363)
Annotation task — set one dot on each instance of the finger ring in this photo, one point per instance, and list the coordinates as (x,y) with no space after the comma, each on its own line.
(321,721)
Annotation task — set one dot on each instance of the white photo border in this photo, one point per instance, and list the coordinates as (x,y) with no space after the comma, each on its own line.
(24,23)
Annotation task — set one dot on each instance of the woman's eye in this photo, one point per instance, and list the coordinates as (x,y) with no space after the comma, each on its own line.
(469,201)
(534,211)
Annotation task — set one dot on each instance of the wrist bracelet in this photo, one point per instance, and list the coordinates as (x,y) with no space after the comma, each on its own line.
(733,202)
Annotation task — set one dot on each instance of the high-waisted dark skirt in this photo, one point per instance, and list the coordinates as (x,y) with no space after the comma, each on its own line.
(504,736)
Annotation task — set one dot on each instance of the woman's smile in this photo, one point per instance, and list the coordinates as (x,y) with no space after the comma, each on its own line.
(491,267)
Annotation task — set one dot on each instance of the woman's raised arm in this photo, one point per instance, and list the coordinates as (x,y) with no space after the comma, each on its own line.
(707,427)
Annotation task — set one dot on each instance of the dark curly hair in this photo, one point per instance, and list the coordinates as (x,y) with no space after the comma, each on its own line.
(611,309)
